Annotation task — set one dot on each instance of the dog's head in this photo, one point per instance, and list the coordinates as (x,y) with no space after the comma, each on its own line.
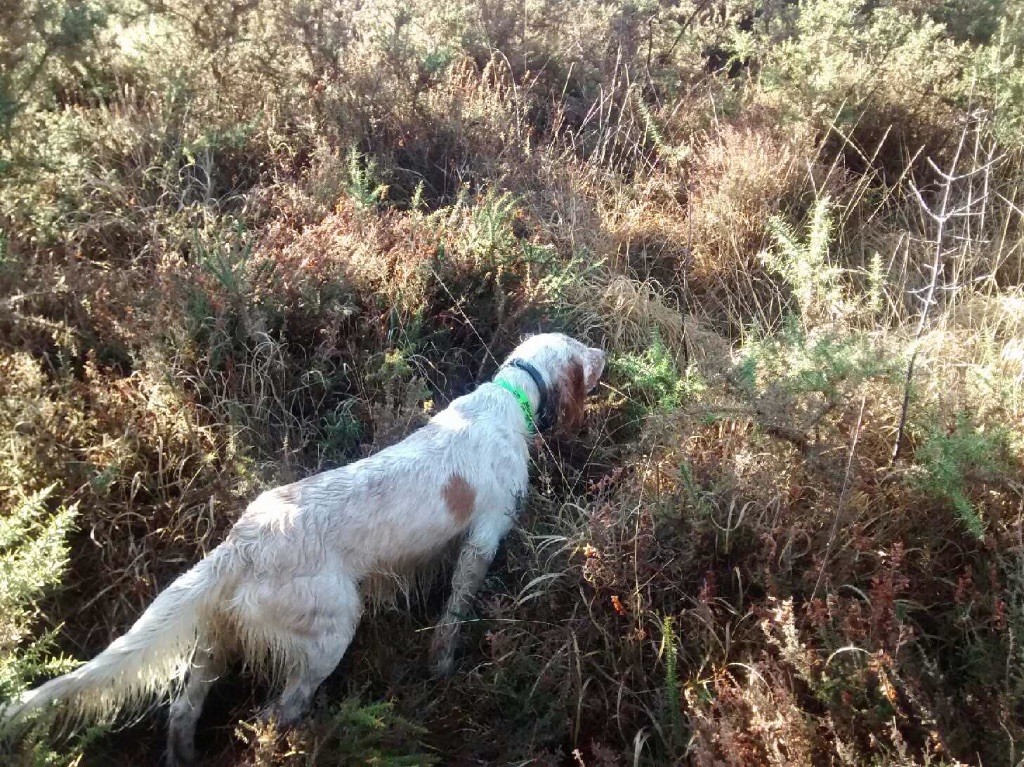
(568,369)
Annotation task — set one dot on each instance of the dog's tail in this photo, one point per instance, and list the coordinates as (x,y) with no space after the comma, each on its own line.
(145,660)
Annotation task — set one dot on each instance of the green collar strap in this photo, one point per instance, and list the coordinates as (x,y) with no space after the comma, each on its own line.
(522,399)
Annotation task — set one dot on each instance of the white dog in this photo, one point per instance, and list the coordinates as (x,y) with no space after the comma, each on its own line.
(284,588)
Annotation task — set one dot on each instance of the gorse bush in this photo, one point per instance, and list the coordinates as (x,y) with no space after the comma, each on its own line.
(805,266)
(362,184)
(958,459)
(44,42)
(829,364)
(997,70)
(352,733)
(33,555)
(653,380)
(244,242)
(847,65)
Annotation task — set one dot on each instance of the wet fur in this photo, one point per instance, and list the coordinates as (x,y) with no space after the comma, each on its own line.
(286,589)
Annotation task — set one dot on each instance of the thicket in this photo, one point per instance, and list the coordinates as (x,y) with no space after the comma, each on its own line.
(244,241)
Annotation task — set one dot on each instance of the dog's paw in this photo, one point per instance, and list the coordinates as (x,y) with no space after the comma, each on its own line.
(444,667)
(442,659)
(442,649)
(180,753)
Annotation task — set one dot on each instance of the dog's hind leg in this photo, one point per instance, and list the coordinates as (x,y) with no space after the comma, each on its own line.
(316,648)
(208,663)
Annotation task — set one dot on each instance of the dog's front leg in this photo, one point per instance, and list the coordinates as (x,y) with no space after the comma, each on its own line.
(469,574)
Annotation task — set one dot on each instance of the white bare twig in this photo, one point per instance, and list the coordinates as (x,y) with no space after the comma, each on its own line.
(946,211)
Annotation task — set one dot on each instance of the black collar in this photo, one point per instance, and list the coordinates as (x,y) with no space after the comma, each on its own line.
(546,407)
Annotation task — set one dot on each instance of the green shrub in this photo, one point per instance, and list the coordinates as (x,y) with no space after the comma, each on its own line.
(673,708)
(653,381)
(340,432)
(998,75)
(41,40)
(829,363)
(33,556)
(363,186)
(805,265)
(862,65)
(954,461)
(352,733)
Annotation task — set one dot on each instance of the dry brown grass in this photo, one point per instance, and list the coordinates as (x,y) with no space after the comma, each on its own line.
(740,177)
(200,297)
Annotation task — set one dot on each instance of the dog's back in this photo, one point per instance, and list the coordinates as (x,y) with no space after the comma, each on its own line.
(406,501)
(284,587)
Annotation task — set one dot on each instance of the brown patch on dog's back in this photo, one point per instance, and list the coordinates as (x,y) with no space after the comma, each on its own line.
(459,496)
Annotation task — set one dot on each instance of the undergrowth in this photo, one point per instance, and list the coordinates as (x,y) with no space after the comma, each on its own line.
(244,242)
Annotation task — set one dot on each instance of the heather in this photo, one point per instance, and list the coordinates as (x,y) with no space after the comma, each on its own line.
(242,242)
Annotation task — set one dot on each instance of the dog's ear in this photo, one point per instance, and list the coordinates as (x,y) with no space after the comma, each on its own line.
(593,367)
(571,386)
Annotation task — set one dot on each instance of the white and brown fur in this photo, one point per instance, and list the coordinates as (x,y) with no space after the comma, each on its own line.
(287,586)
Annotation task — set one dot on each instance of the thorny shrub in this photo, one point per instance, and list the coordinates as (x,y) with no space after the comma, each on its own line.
(243,242)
